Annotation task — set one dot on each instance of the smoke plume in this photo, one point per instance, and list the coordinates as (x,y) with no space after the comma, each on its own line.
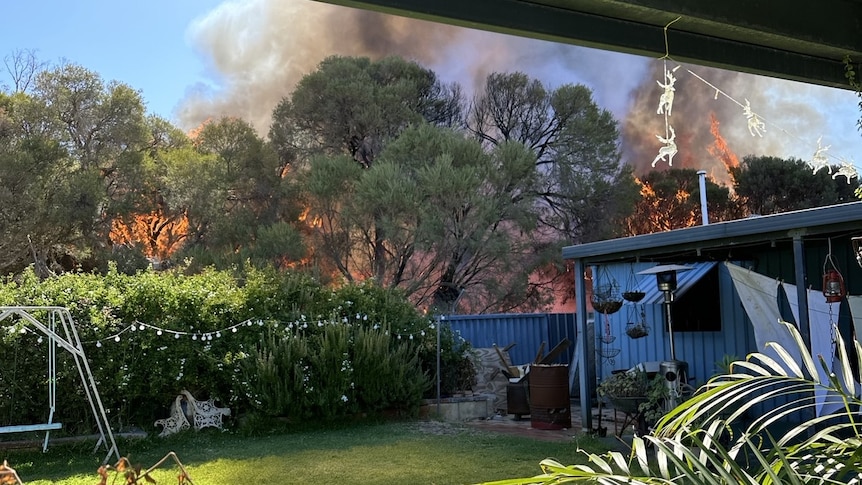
(258,50)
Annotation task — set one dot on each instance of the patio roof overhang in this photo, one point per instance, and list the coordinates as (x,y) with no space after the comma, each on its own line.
(798,40)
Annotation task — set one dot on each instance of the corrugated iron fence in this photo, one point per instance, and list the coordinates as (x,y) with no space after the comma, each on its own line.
(526,330)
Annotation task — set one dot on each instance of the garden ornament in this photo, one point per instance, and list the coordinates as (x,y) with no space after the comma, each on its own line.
(202,414)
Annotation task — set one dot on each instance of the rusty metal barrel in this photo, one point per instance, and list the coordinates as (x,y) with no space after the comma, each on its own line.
(550,407)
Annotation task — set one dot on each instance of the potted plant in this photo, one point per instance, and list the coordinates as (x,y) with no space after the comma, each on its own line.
(633,392)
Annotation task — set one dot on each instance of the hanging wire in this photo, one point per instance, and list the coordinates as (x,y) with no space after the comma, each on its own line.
(829,261)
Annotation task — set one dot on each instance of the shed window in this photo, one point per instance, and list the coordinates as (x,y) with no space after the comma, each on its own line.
(699,308)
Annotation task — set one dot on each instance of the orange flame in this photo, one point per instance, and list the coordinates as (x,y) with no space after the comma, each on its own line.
(719,148)
(656,212)
(160,235)
(195,133)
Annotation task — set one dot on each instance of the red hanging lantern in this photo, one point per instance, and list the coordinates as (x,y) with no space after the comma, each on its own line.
(833,286)
(833,282)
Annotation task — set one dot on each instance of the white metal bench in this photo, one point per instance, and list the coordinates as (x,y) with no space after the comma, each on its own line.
(25,428)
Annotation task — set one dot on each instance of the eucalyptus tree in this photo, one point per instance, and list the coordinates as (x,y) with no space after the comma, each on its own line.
(585,191)
(46,206)
(436,215)
(576,189)
(102,128)
(354,106)
(229,185)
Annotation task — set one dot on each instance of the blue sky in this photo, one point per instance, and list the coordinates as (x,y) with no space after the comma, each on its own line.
(192,59)
(143,44)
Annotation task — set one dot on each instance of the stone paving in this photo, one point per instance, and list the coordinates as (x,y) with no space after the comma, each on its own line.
(507,424)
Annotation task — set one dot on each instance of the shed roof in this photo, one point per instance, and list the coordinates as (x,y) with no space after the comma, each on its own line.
(835,219)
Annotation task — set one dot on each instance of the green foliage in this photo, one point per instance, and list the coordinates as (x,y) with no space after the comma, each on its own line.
(575,152)
(258,343)
(353,106)
(386,375)
(272,375)
(635,383)
(434,211)
(456,368)
(339,369)
(724,365)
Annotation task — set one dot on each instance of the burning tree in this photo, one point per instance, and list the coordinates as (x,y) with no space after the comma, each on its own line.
(159,234)
(670,199)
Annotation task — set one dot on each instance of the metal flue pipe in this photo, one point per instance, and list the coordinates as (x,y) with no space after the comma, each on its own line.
(704,213)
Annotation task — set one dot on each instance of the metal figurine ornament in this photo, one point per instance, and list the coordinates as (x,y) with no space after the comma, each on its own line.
(819,160)
(668,150)
(756,126)
(847,170)
(665,102)
(665,107)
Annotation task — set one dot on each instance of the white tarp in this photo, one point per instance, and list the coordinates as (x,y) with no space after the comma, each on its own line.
(759,296)
(820,320)
(855,302)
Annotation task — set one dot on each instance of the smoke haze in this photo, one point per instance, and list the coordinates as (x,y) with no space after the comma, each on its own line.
(258,50)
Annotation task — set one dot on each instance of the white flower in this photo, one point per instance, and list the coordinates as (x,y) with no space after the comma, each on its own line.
(344,398)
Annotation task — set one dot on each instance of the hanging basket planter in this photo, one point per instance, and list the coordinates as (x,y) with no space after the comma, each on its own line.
(606,297)
(633,292)
(606,302)
(637,330)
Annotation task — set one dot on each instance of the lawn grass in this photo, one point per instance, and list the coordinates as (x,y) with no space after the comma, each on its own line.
(356,453)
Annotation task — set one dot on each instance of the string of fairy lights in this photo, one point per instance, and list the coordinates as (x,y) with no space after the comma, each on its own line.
(757,124)
(206,336)
(209,335)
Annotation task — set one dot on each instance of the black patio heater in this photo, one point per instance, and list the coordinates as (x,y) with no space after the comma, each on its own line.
(675,372)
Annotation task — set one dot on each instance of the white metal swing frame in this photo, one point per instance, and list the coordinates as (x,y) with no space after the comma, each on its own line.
(68,340)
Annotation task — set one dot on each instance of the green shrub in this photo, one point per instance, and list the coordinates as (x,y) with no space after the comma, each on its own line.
(272,376)
(456,369)
(336,370)
(152,334)
(387,375)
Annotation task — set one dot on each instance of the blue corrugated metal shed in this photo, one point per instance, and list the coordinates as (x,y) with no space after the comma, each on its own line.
(798,237)
(701,350)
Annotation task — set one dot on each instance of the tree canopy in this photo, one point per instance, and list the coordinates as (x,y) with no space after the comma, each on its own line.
(670,199)
(397,189)
(769,185)
(371,170)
